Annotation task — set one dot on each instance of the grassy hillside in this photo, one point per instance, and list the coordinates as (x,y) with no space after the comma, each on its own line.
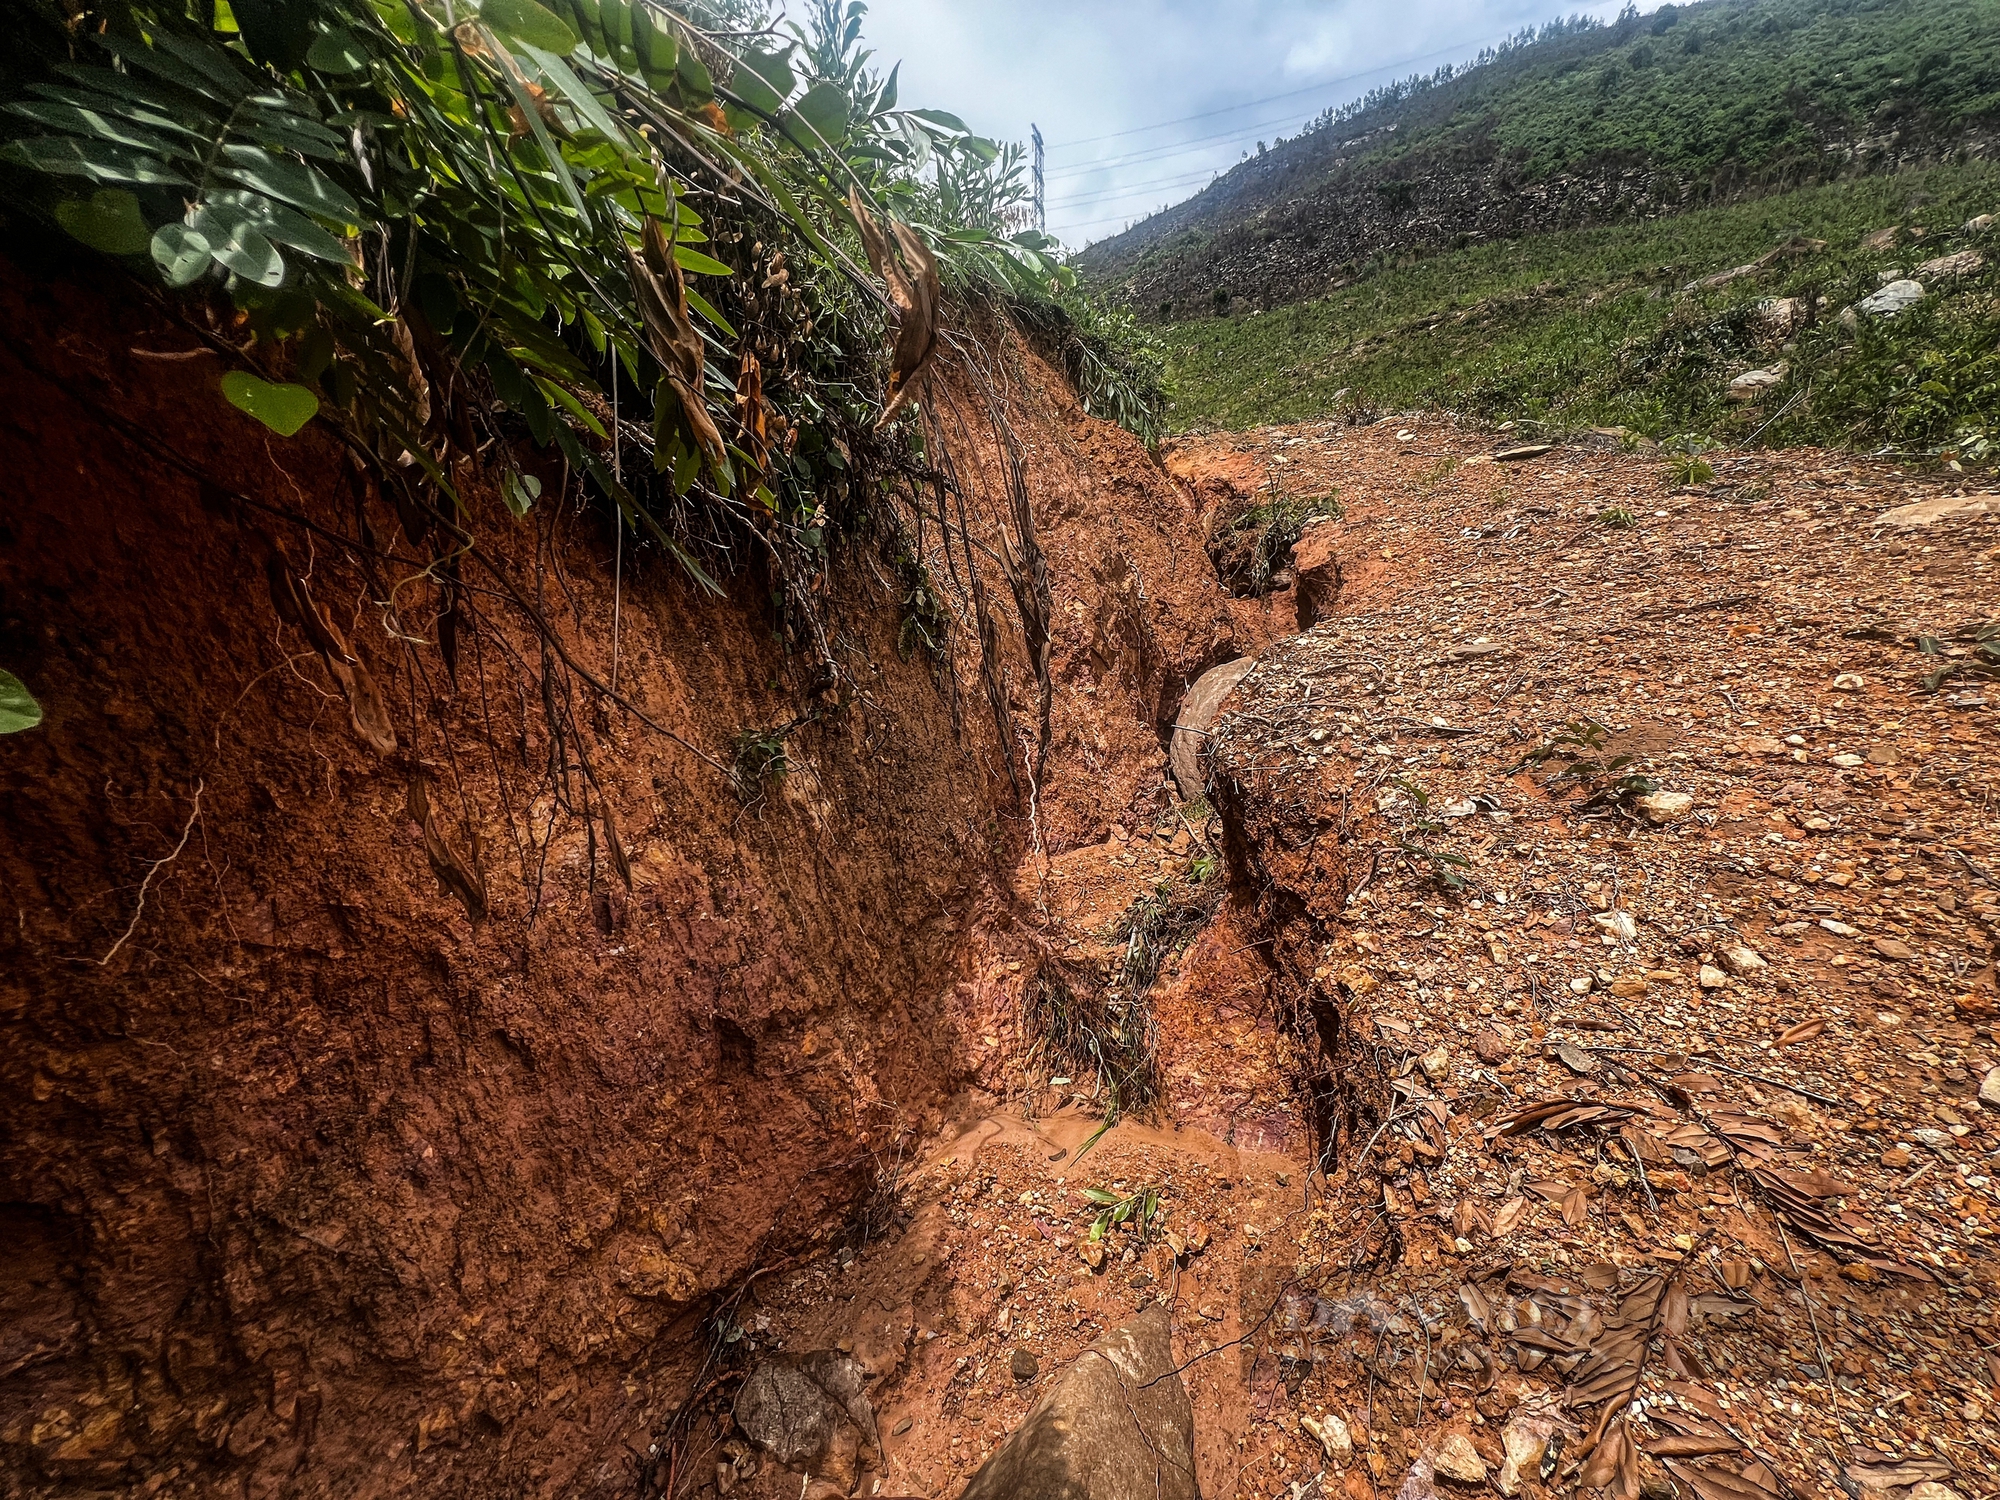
(1590,327)
(1647,116)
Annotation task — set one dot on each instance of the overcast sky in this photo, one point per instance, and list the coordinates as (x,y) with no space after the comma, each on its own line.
(1085,70)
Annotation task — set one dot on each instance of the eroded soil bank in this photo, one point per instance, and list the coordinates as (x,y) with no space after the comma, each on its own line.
(314,1187)
(1658,1125)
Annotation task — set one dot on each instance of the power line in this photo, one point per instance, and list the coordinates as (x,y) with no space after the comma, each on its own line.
(1165,153)
(1115,191)
(1325,83)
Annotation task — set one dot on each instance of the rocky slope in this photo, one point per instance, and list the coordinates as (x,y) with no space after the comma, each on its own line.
(1640,119)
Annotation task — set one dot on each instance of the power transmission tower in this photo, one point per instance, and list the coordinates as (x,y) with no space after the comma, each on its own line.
(1041,211)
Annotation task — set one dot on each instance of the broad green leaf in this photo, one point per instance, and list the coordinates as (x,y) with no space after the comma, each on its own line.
(277,32)
(551,152)
(572,88)
(526,22)
(692,74)
(1100,1196)
(92,125)
(288,181)
(981,149)
(199,70)
(99,161)
(108,220)
(236,242)
(18,708)
(701,265)
(616,17)
(520,491)
(288,131)
(763,80)
(336,52)
(943,117)
(284,226)
(181,252)
(701,305)
(282,408)
(886,100)
(823,110)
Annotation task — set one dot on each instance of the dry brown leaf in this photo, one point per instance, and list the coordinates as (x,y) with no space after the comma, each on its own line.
(454,875)
(611,842)
(661,291)
(1691,1445)
(1715,1482)
(1607,1458)
(907,266)
(366,706)
(1508,1215)
(1575,1207)
(1805,1031)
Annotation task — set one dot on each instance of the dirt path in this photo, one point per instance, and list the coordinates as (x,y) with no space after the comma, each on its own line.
(1765,1011)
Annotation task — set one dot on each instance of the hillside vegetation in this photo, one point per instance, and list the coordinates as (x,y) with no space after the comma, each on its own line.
(1646,117)
(1599,327)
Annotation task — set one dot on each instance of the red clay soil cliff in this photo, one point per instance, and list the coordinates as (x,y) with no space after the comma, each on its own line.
(314,1187)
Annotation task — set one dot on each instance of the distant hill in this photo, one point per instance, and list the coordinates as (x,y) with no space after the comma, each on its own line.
(1584,124)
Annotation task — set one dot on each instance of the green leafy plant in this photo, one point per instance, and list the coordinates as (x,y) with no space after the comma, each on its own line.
(1981,660)
(1617,518)
(759,761)
(428,216)
(1578,744)
(1686,463)
(1253,550)
(1139,1210)
(18,708)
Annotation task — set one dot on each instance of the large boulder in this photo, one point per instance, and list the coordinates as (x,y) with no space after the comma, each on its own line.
(1198,713)
(1117,1426)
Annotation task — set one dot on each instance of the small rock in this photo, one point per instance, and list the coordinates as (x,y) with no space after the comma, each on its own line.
(1628,986)
(1712,978)
(1951,267)
(1989,1088)
(1489,1048)
(1978,225)
(1881,239)
(1664,807)
(1893,950)
(1521,451)
(1618,923)
(1580,986)
(1858,1272)
(1576,1059)
(1458,1461)
(1437,1064)
(1895,1158)
(1752,384)
(1839,929)
(1741,959)
(1024,1365)
(1896,297)
(1930,1489)
(1092,1252)
(1333,1437)
(1849,682)
(1526,1439)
